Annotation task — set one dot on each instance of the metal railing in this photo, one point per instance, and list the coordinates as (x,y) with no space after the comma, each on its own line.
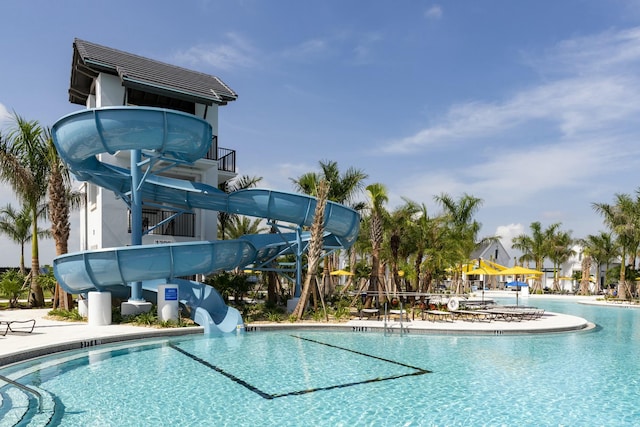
(183,225)
(226,157)
(25,389)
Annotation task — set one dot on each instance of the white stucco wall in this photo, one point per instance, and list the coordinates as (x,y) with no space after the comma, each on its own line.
(106,224)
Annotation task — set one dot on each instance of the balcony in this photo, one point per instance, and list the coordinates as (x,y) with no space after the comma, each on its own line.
(225,157)
(183,225)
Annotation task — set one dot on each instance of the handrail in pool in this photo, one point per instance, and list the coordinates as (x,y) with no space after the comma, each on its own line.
(24,388)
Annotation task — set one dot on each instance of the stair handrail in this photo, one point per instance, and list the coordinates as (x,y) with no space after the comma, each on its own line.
(24,388)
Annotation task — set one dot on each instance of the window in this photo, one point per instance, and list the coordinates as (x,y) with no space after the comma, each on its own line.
(146,99)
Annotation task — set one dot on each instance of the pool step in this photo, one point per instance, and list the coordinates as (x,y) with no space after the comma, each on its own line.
(19,408)
(15,405)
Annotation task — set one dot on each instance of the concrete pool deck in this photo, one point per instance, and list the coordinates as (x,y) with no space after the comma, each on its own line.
(51,336)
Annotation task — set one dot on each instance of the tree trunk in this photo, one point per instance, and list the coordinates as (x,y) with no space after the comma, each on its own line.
(622,286)
(584,281)
(272,296)
(23,269)
(36,296)
(315,249)
(60,228)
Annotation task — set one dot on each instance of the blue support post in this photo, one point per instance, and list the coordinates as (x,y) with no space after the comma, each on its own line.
(298,289)
(136,215)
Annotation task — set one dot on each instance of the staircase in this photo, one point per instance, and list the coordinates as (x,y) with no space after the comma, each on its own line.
(23,406)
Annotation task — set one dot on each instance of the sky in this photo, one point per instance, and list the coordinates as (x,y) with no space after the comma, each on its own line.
(533,106)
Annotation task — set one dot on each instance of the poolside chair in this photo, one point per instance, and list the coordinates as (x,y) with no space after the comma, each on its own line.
(24,326)
(369,313)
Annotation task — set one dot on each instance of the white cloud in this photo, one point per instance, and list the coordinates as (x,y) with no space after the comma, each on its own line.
(593,54)
(235,53)
(516,176)
(355,48)
(571,106)
(576,105)
(434,12)
(507,233)
(309,49)
(364,48)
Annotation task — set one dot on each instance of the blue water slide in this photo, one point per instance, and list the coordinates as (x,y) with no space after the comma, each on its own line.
(182,139)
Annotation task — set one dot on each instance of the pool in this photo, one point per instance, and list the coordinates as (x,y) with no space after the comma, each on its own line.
(293,378)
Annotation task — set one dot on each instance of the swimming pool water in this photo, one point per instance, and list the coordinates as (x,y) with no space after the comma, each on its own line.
(318,378)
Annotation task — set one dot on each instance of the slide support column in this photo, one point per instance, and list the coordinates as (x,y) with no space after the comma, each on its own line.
(136,215)
(299,251)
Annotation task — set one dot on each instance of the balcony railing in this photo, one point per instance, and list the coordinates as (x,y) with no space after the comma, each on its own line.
(226,158)
(182,225)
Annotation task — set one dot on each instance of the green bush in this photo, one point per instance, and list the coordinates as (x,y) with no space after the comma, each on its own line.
(342,312)
(47,280)
(66,314)
(230,284)
(11,286)
(146,319)
(274,316)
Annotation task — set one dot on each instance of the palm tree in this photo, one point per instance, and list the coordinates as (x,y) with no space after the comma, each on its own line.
(602,250)
(23,164)
(242,225)
(231,186)
(343,189)
(400,222)
(534,248)
(315,249)
(462,230)
(17,227)
(585,276)
(623,219)
(377,199)
(428,235)
(560,250)
(61,200)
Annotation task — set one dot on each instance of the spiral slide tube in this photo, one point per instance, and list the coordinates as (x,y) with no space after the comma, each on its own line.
(182,139)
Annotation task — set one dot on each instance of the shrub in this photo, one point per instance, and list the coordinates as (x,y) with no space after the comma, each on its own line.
(342,312)
(230,284)
(273,316)
(47,280)
(318,315)
(66,314)
(146,319)
(11,286)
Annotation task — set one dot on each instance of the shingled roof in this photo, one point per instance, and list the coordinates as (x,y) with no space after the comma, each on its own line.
(143,74)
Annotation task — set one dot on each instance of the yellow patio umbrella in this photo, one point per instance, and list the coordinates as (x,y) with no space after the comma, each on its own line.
(488,271)
(341,273)
(520,270)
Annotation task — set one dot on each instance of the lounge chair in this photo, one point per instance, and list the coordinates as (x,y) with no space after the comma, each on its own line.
(472,315)
(402,315)
(369,312)
(437,315)
(507,314)
(25,326)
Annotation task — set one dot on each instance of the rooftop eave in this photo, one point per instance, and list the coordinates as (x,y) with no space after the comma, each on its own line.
(162,90)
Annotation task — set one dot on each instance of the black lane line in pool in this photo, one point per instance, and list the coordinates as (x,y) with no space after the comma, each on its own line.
(419,371)
(223,372)
(423,371)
